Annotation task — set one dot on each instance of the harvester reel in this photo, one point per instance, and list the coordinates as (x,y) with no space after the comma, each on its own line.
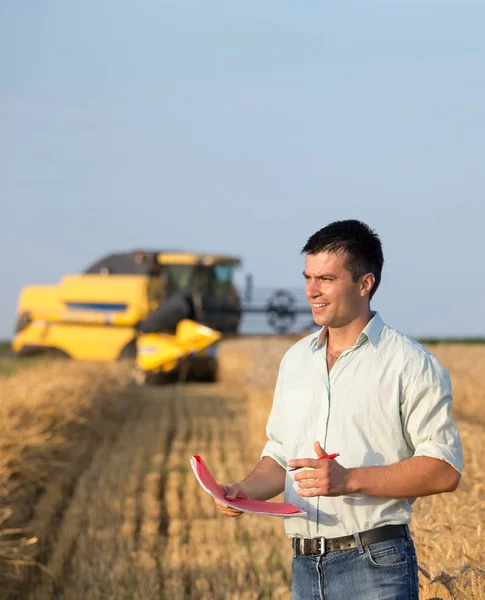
(281,311)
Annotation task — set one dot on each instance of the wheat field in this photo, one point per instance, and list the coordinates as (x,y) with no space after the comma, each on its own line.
(98,502)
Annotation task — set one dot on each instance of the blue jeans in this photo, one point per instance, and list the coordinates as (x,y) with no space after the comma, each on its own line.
(382,571)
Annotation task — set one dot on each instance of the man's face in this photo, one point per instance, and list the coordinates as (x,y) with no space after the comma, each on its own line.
(335,299)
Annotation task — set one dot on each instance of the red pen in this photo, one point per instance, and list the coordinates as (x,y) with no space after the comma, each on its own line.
(327,457)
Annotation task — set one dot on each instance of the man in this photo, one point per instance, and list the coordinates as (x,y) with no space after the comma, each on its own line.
(379,399)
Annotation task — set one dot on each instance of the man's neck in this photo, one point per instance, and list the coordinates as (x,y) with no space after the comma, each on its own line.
(341,338)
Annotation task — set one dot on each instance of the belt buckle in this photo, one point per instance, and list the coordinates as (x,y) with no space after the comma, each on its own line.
(323,546)
(317,546)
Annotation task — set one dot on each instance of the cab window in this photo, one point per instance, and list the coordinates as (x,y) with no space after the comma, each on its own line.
(223,287)
(177,277)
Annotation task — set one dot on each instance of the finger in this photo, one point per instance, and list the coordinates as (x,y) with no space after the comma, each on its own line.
(232,514)
(299,463)
(310,484)
(306,474)
(227,510)
(319,451)
(220,506)
(310,493)
(230,511)
(233,492)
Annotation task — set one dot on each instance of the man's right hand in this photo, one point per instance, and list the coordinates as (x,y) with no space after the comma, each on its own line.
(231,492)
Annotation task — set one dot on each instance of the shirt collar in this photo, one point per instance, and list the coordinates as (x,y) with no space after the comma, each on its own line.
(371,332)
(373,328)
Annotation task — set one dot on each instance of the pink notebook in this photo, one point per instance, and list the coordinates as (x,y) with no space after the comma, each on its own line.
(258,507)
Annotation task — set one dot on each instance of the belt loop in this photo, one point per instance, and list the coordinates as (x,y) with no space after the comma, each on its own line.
(358,541)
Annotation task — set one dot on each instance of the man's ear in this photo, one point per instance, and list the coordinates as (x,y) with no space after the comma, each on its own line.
(367,283)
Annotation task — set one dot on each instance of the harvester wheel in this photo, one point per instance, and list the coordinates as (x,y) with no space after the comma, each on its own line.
(204,370)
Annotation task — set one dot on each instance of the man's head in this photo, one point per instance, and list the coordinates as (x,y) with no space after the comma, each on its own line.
(342,271)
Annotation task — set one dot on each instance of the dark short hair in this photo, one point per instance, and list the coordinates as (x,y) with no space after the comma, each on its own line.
(361,244)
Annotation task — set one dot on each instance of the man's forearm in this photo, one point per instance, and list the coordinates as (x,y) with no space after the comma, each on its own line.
(266,481)
(410,478)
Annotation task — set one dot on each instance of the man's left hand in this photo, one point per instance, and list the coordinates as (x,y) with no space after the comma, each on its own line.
(328,477)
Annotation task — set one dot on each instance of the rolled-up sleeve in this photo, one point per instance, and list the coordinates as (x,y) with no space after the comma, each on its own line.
(427,424)
(274,427)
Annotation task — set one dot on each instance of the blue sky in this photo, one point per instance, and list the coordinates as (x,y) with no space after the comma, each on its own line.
(244,128)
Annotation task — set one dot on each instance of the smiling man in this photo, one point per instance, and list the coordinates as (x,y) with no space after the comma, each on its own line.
(379,399)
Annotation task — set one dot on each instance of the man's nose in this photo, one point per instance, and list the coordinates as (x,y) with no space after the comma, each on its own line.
(311,289)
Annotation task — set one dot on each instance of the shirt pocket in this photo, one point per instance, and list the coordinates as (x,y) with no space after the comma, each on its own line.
(299,414)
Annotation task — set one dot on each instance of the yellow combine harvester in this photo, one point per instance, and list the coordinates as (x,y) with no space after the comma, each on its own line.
(162,307)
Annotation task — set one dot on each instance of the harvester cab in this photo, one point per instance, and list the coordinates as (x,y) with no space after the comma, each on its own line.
(114,307)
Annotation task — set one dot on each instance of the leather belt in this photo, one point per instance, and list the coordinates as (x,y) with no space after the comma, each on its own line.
(321,545)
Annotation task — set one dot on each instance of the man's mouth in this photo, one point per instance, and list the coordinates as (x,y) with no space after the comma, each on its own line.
(319,306)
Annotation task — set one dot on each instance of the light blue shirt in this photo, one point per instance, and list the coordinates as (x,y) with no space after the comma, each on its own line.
(386,399)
